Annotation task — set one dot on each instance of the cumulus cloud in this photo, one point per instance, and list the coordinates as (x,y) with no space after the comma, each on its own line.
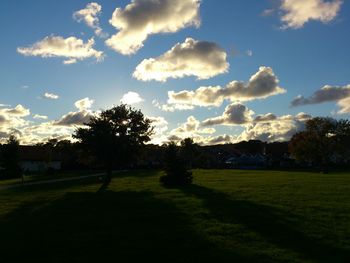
(160,126)
(89,15)
(83,104)
(142,18)
(269,127)
(326,94)
(51,96)
(261,85)
(71,48)
(19,111)
(298,12)
(74,118)
(42,132)
(219,139)
(234,114)
(190,129)
(192,126)
(131,98)
(201,59)
(12,119)
(77,118)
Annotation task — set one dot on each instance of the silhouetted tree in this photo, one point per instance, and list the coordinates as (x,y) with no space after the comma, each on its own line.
(188,151)
(321,142)
(11,157)
(176,170)
(115,136)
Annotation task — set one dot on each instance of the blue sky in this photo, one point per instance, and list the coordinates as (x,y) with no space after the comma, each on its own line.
(304,57)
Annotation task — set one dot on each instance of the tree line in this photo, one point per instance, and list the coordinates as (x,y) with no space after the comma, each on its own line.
(117,136)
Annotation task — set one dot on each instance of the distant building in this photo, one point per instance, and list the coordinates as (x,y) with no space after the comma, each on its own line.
(38,159)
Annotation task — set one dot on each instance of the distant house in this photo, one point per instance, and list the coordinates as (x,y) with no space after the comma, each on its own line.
(247,161)
(38,159)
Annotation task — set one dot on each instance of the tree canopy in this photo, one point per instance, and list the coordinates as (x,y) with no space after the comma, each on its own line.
(324,141)
(115,135)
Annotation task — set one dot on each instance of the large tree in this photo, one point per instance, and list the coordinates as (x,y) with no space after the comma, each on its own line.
(323,141)
(115,136)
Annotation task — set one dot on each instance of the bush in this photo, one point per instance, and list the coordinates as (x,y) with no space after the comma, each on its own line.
(176,171)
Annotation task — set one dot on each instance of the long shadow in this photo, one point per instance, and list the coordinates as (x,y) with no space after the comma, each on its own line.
(273,224)
(103,227)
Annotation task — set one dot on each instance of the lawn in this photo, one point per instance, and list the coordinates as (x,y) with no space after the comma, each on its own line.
(45,177)
(225,216)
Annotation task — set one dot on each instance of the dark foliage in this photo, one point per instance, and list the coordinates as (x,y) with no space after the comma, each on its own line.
(10,156)
(177,173)
(325,141)
(115,136)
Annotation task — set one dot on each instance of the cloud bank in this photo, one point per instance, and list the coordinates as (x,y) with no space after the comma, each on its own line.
(271,128)
(261,85)
(340,94)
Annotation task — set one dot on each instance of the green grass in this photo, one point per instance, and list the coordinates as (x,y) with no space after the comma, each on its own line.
(43,177)
(225,216)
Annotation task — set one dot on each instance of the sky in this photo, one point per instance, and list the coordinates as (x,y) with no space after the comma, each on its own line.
(217,71)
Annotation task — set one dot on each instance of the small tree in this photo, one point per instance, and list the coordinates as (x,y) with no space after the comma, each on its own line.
(176,170)
(188,151)
(11,157)
(115,136)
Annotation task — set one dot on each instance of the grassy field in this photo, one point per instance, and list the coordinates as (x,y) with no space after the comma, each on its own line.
(225,216)
(44,177)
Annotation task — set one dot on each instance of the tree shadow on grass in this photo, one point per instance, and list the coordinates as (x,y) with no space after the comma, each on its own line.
(104,227)
(272,224)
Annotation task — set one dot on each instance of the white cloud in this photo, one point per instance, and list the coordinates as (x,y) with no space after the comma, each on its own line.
(11,120)
(89,15)
(249,53)
(344,106)
(77,118)
(84,104)
(40,117)
(142,18)
(171,107)
(131,98)
(51,96)
(160,127)
(19,111)
(261,85)
(219,139)
(340,94)
(192,58)
(74,118)
(71,48)
(190,129)
(234,114)
(269,127)
(298,12)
